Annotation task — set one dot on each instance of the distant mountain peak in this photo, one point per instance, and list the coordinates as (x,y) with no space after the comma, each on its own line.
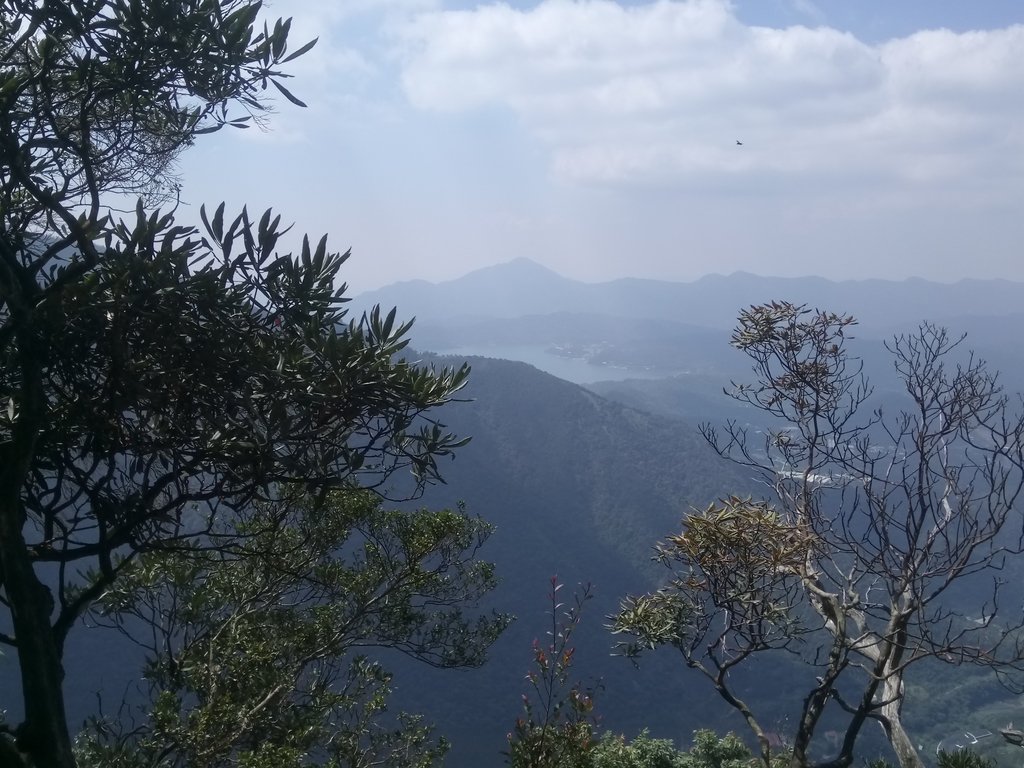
(521,267)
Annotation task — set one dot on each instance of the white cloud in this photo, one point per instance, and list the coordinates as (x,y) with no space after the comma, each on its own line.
(658,93)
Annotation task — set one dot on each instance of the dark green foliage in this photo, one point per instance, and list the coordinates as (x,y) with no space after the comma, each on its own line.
(964,758)
(710,750)
(613,751)
(256,651)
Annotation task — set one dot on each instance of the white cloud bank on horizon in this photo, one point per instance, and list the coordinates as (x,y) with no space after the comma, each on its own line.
(659,93)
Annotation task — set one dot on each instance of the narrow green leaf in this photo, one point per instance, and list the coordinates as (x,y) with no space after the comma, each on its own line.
(304,49)
(218,222)
(288,95)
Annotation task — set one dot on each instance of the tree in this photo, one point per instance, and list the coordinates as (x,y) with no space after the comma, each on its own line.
(557,724)
(870,523)
(154,377)
(256,653)
(613,751)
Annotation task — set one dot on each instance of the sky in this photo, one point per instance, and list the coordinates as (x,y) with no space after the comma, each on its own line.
(850,139)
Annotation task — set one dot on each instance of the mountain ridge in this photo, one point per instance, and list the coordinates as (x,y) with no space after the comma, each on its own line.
(523,287)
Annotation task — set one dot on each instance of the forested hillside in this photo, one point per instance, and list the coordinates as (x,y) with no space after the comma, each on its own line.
(577,487)
(580,488)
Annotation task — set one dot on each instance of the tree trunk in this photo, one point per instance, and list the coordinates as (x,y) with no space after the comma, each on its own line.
(764,744)
(43,736)
(814,703)
(906,753)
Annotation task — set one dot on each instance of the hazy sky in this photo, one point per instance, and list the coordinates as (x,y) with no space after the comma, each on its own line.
(880,138)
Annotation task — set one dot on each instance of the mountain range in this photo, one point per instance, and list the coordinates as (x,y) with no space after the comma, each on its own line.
(581,482)
(523,287)
(650,329)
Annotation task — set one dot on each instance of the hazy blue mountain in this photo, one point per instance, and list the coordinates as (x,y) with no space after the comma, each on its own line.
(508,290)
(520,288)
(671,340)
(582,488)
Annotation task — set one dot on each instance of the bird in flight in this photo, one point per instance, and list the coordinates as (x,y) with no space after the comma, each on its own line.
(739,142)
